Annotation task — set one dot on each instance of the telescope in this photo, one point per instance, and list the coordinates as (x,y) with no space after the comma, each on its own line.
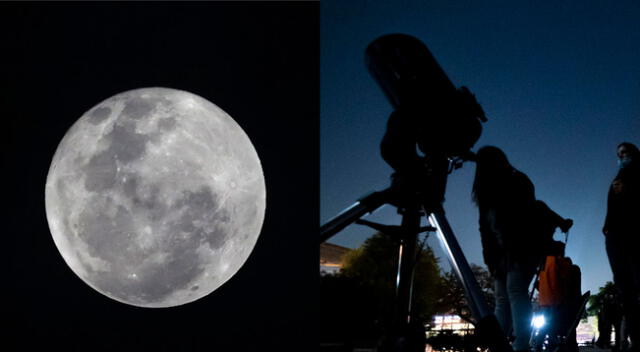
(443,122)
(430,111)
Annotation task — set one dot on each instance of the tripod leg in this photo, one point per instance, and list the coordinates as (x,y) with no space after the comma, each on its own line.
(363,206)
(403,334)
(406,265)
(487,324)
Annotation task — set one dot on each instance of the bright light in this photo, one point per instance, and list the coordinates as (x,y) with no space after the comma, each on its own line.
(538,321)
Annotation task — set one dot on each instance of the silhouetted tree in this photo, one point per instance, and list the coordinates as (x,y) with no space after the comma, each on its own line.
(358,301)
(375,265)
(596,301)
(607,306)
(453,298)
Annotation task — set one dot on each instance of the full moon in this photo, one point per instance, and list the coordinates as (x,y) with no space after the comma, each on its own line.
(155,197)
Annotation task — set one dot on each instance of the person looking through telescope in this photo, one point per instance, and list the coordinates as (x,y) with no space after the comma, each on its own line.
(506,201)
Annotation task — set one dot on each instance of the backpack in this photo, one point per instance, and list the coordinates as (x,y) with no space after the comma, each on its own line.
(558,281)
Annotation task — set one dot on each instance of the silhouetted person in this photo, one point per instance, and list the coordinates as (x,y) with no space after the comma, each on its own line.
(506,202)
(560,295)
(504,197)
(622,236)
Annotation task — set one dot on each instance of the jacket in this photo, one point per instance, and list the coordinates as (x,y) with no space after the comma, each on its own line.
(507,227)
(623,201)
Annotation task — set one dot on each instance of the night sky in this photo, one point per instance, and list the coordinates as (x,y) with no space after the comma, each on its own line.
(559,82)
(256,61)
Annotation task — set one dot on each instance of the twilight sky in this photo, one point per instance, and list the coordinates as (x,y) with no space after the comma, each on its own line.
(559,83)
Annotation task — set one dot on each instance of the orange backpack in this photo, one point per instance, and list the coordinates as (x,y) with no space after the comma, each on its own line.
(559,281)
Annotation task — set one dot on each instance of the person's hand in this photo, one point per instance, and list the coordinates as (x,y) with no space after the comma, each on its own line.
(565,225)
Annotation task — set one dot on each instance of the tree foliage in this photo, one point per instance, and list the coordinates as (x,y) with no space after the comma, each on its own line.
(359,300)
(607,294)
(375,265)
(453,300)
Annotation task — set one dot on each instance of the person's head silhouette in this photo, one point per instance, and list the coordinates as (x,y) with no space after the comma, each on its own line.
(492,168)
(627,153)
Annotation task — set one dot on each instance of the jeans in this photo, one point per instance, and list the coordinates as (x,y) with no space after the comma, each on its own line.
(622,250)
(513,308)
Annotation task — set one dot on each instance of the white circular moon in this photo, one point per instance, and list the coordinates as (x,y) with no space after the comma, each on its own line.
(155,197)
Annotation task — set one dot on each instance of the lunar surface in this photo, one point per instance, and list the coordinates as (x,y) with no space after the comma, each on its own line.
(155,197)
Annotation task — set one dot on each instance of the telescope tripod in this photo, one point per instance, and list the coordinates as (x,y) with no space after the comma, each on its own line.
(416,195)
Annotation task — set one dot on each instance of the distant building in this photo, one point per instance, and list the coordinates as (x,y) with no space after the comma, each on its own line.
(331,256)
(587,331)
(450,322)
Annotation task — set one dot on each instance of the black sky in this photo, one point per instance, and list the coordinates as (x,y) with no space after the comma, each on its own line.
(259,63)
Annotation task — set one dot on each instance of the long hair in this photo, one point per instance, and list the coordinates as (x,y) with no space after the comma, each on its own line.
(492,169)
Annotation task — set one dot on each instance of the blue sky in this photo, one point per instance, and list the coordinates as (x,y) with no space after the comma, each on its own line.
(559,83)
